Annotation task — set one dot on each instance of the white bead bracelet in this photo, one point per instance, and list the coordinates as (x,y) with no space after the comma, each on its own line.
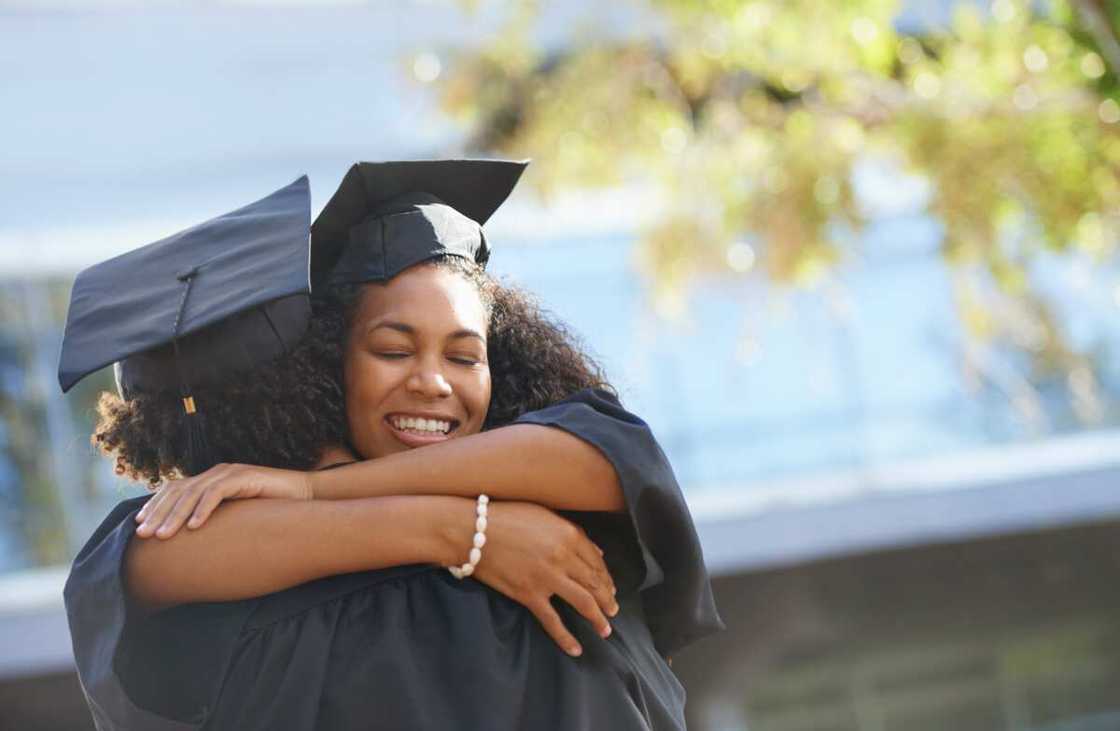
(460,572)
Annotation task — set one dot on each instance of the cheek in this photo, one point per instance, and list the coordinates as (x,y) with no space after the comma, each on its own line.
(364,381)
(476,396)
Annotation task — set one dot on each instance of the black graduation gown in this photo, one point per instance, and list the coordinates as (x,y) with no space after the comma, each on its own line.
(410,647)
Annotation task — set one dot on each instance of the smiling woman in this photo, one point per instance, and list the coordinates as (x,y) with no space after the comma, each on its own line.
(416,371)
(454,386)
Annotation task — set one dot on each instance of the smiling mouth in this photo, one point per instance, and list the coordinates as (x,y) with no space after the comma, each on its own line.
(422,427)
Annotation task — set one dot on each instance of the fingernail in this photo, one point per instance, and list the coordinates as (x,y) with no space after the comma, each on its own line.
(575,650)
(614,609)
(614,590)
(193,523)
(606,632)
(164,530)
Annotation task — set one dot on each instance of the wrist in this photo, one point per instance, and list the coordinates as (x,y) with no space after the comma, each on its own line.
(456,520)
(482,508)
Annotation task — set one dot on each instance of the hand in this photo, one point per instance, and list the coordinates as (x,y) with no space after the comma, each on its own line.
(532,553)
(197,497)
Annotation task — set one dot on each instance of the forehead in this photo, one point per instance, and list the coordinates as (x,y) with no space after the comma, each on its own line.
(426,297)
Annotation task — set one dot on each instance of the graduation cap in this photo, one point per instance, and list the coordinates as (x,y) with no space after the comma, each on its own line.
(221,297)
(388,216)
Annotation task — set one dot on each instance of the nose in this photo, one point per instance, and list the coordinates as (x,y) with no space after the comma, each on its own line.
(428,381)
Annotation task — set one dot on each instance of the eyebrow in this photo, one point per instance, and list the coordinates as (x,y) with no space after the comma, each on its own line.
(465,332)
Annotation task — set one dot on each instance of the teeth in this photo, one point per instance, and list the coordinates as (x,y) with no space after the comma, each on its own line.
(418,424)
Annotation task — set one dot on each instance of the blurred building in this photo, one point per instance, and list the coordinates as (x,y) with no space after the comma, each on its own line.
(898,542)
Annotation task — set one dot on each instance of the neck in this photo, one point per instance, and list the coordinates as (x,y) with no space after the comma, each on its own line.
(333,455)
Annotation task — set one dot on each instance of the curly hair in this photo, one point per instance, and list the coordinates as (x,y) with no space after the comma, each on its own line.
(535,360)
(280,414)
(286,412)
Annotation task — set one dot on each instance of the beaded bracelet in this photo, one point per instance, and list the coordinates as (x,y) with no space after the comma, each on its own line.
(460,572)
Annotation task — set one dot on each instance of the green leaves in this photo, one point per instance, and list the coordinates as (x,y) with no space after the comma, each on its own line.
(748,119)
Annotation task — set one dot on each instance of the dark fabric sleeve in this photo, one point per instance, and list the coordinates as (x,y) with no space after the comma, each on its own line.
(676,591)
(160,672)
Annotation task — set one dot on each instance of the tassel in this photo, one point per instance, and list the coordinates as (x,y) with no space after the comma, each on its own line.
(198,455)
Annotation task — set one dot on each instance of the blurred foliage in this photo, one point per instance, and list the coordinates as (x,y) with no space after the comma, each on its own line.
(49,474)
(747,119)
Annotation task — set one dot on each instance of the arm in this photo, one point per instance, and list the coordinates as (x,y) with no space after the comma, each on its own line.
(254,549)
(676,591)
(520,462)
(527,462)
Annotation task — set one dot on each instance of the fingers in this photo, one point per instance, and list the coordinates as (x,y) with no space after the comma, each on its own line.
(601,590)
(593,558)
(179,513)
(156,509)
(211,499)
(600,582)
(159,520)
(147,508)
(554,626)
(584,603)
(165,513)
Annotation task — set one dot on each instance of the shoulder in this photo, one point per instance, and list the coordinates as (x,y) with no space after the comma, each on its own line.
(588,402)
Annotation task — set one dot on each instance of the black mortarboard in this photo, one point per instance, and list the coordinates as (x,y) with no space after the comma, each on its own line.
(388,216)
(222,296)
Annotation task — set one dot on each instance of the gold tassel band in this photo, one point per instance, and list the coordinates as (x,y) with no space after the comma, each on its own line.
(188,405)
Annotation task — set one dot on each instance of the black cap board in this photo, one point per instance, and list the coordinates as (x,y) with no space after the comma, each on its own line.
(222,296)
(388,216)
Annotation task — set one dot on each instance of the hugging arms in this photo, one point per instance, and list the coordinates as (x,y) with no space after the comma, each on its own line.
(415,506)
